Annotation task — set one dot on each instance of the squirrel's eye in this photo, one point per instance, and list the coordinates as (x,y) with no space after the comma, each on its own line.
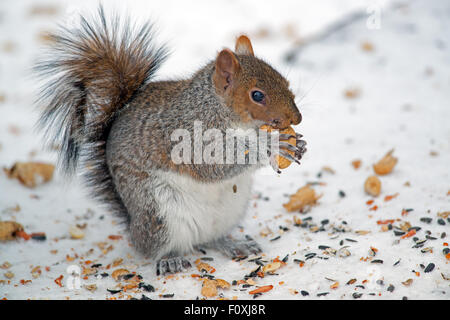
(257,96)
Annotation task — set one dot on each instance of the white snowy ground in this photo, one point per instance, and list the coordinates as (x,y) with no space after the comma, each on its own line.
(404,87)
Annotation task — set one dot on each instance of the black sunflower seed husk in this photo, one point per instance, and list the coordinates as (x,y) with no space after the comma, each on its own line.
(112,291)
(207,258)
(39,237)
(322,294)
(254,273)
(310,255)
(146,287)
(429,268)
(377,261)
(426,219)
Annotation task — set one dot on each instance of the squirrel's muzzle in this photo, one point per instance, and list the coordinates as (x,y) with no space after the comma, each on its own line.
(296,116)
(292,116)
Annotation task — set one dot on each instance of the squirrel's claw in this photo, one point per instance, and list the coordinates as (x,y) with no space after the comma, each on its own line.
(284,136)
(288,156)
(288,146)
(301,149)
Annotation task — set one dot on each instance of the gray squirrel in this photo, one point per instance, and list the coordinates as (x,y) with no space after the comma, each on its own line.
(103,109)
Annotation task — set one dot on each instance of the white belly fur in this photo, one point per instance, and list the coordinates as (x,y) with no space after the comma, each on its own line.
(197,212)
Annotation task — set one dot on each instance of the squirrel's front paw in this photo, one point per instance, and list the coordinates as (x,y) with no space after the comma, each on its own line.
(288,150)
(172,265)
(301,146)
(298,150)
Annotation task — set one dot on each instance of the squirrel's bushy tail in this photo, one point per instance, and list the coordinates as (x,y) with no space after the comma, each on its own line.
(90,73)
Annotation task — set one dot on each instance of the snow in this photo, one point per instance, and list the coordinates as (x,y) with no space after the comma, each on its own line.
(403,104)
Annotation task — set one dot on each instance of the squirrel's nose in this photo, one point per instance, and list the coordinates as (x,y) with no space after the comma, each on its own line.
(296,116)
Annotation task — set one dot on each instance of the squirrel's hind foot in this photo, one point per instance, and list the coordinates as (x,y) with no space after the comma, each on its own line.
(172,265)
(237,249)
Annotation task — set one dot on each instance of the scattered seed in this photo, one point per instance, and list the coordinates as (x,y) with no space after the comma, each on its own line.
(408,282)
(343,252)
(372,186)
(426,220)
(207,259)
(322,294)
(261,289)
(271,267)
(310,255)
(357,295)
(39,236)
(427,249)
(91,287)
(304,293)
(259,262)
(377,261)
(118,274)
(112,291)
(391,288)
(441,222)
(429,268)
(76,233)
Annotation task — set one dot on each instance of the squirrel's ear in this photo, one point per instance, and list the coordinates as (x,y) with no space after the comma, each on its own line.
(244,46)
(227,66)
